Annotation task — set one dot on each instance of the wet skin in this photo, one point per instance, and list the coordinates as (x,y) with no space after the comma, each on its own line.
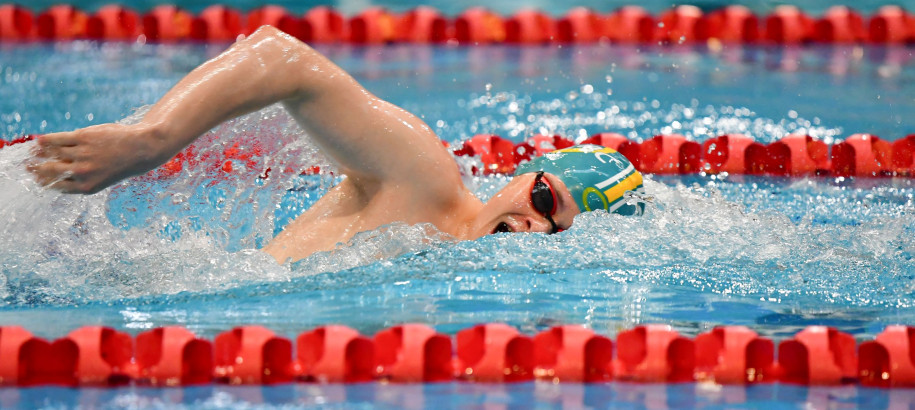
(395,166)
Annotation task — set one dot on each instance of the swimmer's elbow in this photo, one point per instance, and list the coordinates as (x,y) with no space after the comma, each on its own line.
(304,72)
(271,36)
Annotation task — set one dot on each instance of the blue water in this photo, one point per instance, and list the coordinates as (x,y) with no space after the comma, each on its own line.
(773,254)
(466,395)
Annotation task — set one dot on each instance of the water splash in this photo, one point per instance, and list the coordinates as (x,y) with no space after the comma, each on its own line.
(192,231)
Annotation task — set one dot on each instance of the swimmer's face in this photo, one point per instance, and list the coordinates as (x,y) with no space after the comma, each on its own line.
(511,209)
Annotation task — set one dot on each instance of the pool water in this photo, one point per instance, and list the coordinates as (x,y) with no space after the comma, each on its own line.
(773,254)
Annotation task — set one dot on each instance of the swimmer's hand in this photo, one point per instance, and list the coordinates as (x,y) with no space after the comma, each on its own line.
(88,160)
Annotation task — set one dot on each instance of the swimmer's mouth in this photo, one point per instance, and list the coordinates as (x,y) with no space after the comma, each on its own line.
(502,227)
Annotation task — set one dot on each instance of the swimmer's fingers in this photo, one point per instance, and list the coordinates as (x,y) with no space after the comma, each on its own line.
(52,145)
(59,139)
(50,173)
(68,178)
(63,154)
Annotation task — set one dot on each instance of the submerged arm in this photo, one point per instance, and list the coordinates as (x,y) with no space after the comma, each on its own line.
(353,126)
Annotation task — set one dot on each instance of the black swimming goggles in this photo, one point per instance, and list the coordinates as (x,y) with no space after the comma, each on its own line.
(544,200)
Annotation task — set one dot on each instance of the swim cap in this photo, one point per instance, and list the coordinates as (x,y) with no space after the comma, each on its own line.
(598,177)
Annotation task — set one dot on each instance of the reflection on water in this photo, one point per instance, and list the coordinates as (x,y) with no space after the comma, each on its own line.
(464,395)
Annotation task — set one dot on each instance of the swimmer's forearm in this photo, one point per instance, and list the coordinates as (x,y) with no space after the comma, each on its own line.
(263,69)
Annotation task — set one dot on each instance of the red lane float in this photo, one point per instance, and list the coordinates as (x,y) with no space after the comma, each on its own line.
(413,353)
(530,27)
(726,153)
(573,354)
(103,356)
(731,24)
(654,353)
(861,155)
(669,154)
(788,25)
(806,155)
(335,354)
(12,338)
(891,24)
(322,24)
(252,355)
(493,353)
(818,355)
(373,26)
(276,16)
(479,25)
(904,155)
(166,23)
(217,23)
(580,25)
(888,360)
(62,22)
(173,356)
(41,362)
(734,355)
(113,23)
(794,155)
(630,24)
(678,25)
(496,153)
(840,24)
(16,23)
(422,25)
(767,159)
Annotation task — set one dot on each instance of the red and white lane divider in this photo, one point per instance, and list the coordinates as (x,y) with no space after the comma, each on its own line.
(375,25)
(488,353)
(859,155)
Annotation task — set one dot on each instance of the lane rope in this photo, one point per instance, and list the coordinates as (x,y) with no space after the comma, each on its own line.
(487,353)
(683,24)
(796,155)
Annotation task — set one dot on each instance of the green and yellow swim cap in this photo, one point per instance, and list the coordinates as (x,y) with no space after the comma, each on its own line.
(598,177)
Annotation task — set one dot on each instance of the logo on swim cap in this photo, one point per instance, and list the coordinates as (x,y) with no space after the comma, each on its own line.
(598,177)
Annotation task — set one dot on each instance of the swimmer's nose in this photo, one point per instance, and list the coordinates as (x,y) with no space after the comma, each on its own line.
(538,224)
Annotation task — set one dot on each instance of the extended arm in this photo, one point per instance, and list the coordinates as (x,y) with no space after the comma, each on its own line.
(353,126)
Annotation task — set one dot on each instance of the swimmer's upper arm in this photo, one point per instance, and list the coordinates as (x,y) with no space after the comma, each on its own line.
(371,139)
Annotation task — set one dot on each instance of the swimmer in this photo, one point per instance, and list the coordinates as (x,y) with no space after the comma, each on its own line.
(396,168)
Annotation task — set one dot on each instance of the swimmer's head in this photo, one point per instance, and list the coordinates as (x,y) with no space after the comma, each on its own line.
(547,192)
(597,177)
